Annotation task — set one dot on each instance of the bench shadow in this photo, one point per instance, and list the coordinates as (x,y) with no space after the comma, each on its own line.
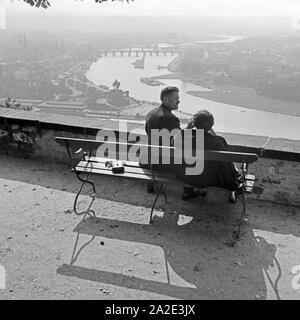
(193,252)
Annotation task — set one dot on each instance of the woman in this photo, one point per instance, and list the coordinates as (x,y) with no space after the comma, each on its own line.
(215,173)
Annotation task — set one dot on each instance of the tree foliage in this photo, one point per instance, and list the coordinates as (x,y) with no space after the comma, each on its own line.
(46,3)
(38,3)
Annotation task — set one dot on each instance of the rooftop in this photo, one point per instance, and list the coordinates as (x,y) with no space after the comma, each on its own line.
(183,255)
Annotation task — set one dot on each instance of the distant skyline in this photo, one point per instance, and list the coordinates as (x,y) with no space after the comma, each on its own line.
(226,8)
(250,16)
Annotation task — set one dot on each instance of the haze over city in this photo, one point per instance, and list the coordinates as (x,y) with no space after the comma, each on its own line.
(239,54)
(192,16)
(212,8)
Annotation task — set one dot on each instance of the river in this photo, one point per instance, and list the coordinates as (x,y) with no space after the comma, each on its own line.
(228,118)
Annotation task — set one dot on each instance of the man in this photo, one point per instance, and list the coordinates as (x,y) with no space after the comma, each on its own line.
(215,173)
(163,118)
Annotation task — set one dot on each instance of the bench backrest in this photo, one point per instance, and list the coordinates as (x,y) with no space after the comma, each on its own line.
(91,146)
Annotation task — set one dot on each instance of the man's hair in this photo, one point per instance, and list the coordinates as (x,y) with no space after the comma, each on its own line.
(203,119)
(166,91)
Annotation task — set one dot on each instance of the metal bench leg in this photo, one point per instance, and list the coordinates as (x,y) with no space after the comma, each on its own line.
(243,213)
(154,203)
(84,181)
(160,190)
(243,200)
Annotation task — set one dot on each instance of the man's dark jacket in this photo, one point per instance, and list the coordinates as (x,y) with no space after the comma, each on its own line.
(161,118)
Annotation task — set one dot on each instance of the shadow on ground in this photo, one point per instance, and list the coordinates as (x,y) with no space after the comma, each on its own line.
(198,256)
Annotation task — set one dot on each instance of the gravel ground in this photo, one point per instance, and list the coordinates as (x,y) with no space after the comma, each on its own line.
(50,253)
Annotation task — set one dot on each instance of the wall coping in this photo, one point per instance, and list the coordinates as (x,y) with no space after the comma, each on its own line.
(265,147)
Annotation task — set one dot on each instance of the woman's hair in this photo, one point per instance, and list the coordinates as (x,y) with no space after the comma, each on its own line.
(203,119)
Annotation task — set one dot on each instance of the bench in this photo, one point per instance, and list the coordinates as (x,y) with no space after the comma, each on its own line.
(90,164)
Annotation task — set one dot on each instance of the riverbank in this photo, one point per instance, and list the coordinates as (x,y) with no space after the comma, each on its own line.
(237,96)
(247,98)
(174,73)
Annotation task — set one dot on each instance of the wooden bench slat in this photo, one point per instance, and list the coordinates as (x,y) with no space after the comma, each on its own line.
(93,145)
(103,160)
(108,172)
(134,170)
(128,169)
(128,175)
(131,165)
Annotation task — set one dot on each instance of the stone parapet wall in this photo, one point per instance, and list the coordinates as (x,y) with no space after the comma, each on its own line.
(277,171)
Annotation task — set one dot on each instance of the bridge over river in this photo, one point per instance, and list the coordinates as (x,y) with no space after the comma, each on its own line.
(140,51)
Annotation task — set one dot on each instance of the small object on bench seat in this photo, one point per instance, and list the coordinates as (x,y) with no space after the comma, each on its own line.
(116,166)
